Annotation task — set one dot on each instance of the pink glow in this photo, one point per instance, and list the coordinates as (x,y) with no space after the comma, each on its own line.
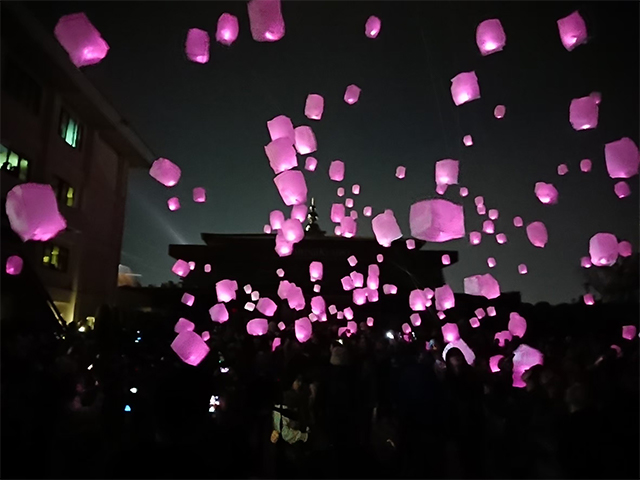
(292,230)
(359,296)
(276,219)
(467,140)
(352,260)
(446,260)
(340,192)
(482,285)
(625,249)
(444,298)
(266,306)
(488,227)
(188,299)
(348,227)
(525,357)
(479,200)
(583,113)
(247,289)
(355,189)
(385,228)
(499,111)
(310,164)
(517,222)
(227,29)
(401,172)
(389,289)
(265,20)
(429,294)
(183,325)
(353,214)
(348,202)
(406,328)
(257,326)
(173,203)
(190,347)
(305,140)
(281,127)
(299,213)
(493,214)
(352,94)
(303,329)
(315,271)
(562,169)
(622,189)
(33,213)
(502,337)
(291,186)
(465,88)
(369,321)
(447,172)
(337,230)
(275,344)
(336,171)
(181,268)
(572,30)
(249,306)
(255,295)
(347,283)
(493,363)
(517,325)
(585,262)
(474,322)
(348,314)
(318,305)
(281,155)
(357,278)
(366,211)
(491,262)
(283,248)
(441,315)
(226,290)
(629,332)
(522,269)
(372,27)
(197,45)
(314,106)
(417,301)
(490,36)
(192,265)
(537,234)
(501,238)
(491,311)
(14,265)
(585,165)
(481,209)
(337,212)
(464,191)
(295,297)
(603,249)
(450,332)
(81,40)
(199,195)
(415,319)
(469,356)
(379,258)
(205,336)
(622,158)
(436,220)
(207,268)
(411,244)
(281,326)
(588,299)
(441,189)
(474,238)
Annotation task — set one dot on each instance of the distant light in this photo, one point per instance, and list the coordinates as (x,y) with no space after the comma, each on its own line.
(224,369)
(90,367)
(133,390)
(390,335)
(127,408)
(81,329)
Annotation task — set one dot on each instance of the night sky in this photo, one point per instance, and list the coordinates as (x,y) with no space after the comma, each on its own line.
(211,120)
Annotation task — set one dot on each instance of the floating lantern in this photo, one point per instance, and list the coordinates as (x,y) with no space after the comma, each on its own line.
(562,169)
(603,249)
(197,45)
(501,238)
(450,332)
(183,325)
(479,200)
(227,29)
(366,211)
(517,325)
(353,214)
(249,306)
(625,249)
(629,332)
(460,344)
(347,283)
(622,189)
(318,305)
(352,94)
(266,306)
(491,262)
(411,244)
(379,258)
(199,195)
(291,186)
(337,212)
(447,172)
(348,203)
(474,322)
(525,357)
(255,295)
(467,140)
(192,265)
(315,271)
(517,222)
(415,319)
(583,113)
(490,37)
(310,164)
(265,20)
(181,268)
(336,171)
(406,328)
(482,285)
(190,347)
(226,290)
(33,213)
(573,31)
(441,315)
(499,111)
(207,268)
(502,337)
(81,40)
(283,248)
(348,227)
(314,106)
(281,127)
(493,214)
(401,172)
(436,220)
(352,260)
(372,27)
(464,191)
(389,289)
(292,230)
(295,297)
(283,289)
(355,189)
(417,301)
(444,298)
(340,191)
(494,362)
(522,269)
(357,278)
(446,260)
(385,228)
(588,299)
(303,329)
(585,165)
(205,336)
(465,88)
(369,321)
(474,238)
(441,189)
(488,227)
(622,158)
(491,311)
(257,326)
(537,234)
(481,209)
(428,293)
(299,213)
(281,155)
(14,265)
(359,296)
(585,262)
(348,314)
(188,299)
(305,140)
(173,203)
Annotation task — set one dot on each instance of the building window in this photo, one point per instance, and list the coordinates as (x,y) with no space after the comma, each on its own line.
(70,129)
(66,194)
(14,163)
(21,86)
(55,257)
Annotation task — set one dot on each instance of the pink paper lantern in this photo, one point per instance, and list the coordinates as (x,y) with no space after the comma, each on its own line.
(347,283)
(585,165)
(352,94)
(622,189)
(482,285)
(417,301)
(340,192)
(501,238)
(474,322)
(197,45)
(281,155)
(366,211)
(479,200)
(436,220)
(226,290)
(275,344)
(522,269)
(585,262)
(474,238)
(303,329)
(525,357)
(444,298)
(517,222)
(357,278)
(190,347)
(295,297)
(173,203)
(429,294)
(603,249)
(281,127)
(276,219)
(488,227)
(372,27)
(199,195)
(318,305)
(227,29)
(447,172)
(583,113)
(337,212)
(562,169)
(181,268)
(283,248)
(493,214)
(411,244)
(491,262)
(573,31)
(183,325)
(385,228)
(353,214)
(401,172)
(348,314)
(299,213)
(310,164)
(369,321)
(283,289)
(490,37)
(441,315)
(450,332)
(379,258)
(464,191)
(280,272)
(465,88)
(355,189)
(629,332)
(292,230)
(188,299)
(207,268)
(625,249)
(481,209)
(441,189)
(249,306)
(622,158)
(348,203)
(314,106)
(336,171)
(467,140)
(257,326)
(291,186)
(491,311)
(588,299)
(352,260)
(14,265)
(265,20)
(359,296)
(165,171)
(406,328)
(205,336)
(389,289)
(499,111)
(266,306)
(281,326)
(415,319)
(446,260)
(33,213)
(305,140)
(349,227)
(517,325)
(502,337)
(315,271)
(494,363)
(537,234)
(81,40)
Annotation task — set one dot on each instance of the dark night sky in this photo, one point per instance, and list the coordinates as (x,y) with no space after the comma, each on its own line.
(211,120)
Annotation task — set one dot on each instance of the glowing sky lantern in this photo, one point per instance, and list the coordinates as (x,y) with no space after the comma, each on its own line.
(357,278)
(81,40)
(389,289)
(347,283)
(585,165)
(181,268)
(337,212)
(257,326)
(563,169)
(33,213)
(436,220)
(583,113)
(385,228)
(265,20)
(197,45)
(467,140)
(276,219)
(446,259)
(491,311)
(255,295)
(379,258)
(227,29)
(281,127)
(475,238)
(315,271)
(314,106)
(349,227)
(283,289)
(348,314)
(517,325)
(173,203)
(517,222)
(622,158)
(266,306)
(490,36)
(401,172)
(187,299)
(310,164)
(292,230)
(336,171)
(165,171)
(299,213)
(537,234)
(411,244)
(493,214)
(337,231)
(366,211)
(417,301)
(588,299)
(494,363)
(479,200)
(353,214)
(14,265)
(303,329)
(318,305)
(190,347)
(360,296)
(450,332)
(305,140)
(429,293)
(481,209)
(482,285)
(205,336)
(369,321)
(502,337)
(491,262)
(625,249)
(199,195)
(275,344)
(460,344)
(406,328)
(250,306)
(465,88)
(352,260)
(352,94)
(474,322)
(501,238)
(464,191)
(499,111)
(488,227)
(226,290)
(585,262)
(524,357)
(441,189)
(444,298)
(295,297)
(573,31)
(283,247)
(291,186)
(340,191)
(281,326)
(447,172)
(603,249)
(192,265)
(348,202)
(441,315)
(355,189)
(522,269)
(372,27)
(183,325)
(622,189)
(629,332)
(281,155)
(247,289)
(207,268)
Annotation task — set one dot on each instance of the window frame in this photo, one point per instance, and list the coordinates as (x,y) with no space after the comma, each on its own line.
(61,254)
(63,128)
(62,188)
(17,171)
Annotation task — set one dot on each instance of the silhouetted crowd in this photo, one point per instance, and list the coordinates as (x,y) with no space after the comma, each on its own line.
(106,405)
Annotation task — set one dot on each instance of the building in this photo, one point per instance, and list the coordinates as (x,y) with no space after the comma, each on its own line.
(56,128)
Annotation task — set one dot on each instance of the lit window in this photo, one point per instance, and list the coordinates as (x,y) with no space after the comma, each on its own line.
(70,130)
(13,163)
(65,194)
(55,257)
